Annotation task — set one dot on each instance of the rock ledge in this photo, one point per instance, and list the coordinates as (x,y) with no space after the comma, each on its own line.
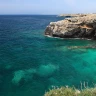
(75,27)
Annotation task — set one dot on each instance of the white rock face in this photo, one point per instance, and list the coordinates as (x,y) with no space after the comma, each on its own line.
(81,26)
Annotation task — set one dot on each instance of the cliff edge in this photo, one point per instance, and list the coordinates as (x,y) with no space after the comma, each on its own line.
(75,27)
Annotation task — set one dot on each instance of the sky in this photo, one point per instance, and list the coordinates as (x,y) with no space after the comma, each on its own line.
(47,6)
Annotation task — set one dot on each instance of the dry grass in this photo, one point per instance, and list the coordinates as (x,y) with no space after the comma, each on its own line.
(65,91)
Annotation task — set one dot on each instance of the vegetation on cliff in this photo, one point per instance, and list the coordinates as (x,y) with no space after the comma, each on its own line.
(65,91)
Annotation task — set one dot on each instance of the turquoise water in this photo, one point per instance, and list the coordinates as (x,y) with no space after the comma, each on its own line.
(31,63)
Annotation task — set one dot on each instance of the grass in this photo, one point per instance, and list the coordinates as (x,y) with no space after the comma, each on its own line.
(65,91)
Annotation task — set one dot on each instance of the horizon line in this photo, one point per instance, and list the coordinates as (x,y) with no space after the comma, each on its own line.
(28,14)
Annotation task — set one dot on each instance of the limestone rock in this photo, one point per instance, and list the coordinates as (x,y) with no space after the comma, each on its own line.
(75,27)
(72,15)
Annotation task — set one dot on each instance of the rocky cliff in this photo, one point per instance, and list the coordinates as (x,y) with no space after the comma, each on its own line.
(75,27)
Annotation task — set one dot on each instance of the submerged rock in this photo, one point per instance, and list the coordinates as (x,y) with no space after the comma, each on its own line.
(76,27)
(18,75)
(23,75)
(46,70)
(82,47)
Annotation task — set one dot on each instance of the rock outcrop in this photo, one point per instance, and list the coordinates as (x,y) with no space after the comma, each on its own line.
(72,15)
(75,27)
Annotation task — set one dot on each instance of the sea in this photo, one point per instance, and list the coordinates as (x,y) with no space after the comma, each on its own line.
(32,63)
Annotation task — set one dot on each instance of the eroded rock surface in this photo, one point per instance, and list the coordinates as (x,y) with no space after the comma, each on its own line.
(76,27)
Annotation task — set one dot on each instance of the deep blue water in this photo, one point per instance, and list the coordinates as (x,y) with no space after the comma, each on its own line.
(31,63)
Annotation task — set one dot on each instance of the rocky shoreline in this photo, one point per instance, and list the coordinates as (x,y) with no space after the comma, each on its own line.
(72,15)
(75,27)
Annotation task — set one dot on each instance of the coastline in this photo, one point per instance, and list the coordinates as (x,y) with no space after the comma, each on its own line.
(83,27)
(67,38)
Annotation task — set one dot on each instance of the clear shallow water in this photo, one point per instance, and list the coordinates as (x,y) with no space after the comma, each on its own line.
(31,63)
